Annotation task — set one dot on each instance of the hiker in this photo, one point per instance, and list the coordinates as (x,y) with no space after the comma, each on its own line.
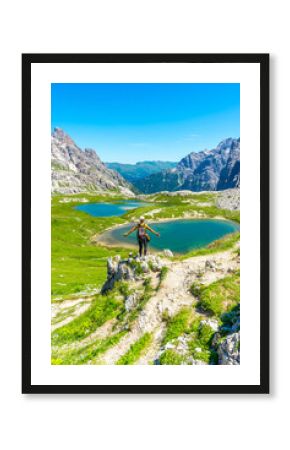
(142,237)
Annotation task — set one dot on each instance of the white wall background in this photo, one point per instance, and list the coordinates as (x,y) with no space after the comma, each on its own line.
(172,422)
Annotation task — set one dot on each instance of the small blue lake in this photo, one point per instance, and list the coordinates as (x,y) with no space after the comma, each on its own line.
(109,209)
(180,236)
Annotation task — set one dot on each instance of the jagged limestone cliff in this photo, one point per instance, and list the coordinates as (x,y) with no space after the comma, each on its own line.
(209,170)
(74,170)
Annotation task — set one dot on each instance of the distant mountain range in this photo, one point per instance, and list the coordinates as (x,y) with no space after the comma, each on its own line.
(135,172)
(74,170)
(208,170)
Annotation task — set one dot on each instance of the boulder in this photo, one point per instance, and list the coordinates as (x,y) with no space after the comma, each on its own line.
(168,253)
(229,350)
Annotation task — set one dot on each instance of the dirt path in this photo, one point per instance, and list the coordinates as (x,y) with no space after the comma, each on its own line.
(171,297)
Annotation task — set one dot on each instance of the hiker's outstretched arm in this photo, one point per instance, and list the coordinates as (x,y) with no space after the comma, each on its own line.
(131,231)
(152,231)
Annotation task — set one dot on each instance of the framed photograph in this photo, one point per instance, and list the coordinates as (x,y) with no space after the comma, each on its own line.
(145,223)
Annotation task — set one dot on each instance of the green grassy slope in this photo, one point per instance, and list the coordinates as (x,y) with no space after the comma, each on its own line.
(77,264)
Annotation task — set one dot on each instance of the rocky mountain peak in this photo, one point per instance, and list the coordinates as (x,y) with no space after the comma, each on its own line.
(62,137)
(208,170)
(75,170)
(228,143)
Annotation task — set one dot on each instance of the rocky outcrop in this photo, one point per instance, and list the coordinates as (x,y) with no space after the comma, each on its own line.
(131,301)
(74,170)
(209,170)
(131,269)
(229,350)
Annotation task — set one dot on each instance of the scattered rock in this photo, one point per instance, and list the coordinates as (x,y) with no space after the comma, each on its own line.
(210,264)
(130,302)
(143,321)
(168,346)
(212,323)
(156,263)
(168,253)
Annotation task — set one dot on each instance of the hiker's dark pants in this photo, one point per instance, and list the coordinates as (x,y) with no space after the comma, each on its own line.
(142,245)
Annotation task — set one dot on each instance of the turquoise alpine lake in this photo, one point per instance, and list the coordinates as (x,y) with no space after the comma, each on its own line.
(180,236)
(109,209)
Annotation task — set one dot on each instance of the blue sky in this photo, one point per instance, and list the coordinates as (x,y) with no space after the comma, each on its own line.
(136,122)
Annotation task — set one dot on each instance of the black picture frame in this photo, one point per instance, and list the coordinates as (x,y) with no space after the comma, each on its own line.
(263,61)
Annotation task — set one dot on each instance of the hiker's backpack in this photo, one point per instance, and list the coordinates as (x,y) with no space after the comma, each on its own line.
(142,232)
